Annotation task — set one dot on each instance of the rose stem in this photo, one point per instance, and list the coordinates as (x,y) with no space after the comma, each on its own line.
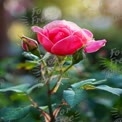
(48,92)
(50,103)
(67,68)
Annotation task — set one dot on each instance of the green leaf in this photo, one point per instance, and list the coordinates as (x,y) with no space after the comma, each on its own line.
(33,87)
(24,88)
(99,82)
(46,107)
(46,56)
(77,93)
(36,52)
(82,83)
(68,61)
(30,56)
(9,114)
(27,65)
(73,97)
(115,91)
(78,56)
(19,88)
(88,87)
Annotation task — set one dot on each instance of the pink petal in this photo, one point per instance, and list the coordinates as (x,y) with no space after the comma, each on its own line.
(67,46)
(88,33)
(46,43)
(80,35)
(94,46)
(62,23)
(58,33)
(71,25)
(24,46)
(88,36)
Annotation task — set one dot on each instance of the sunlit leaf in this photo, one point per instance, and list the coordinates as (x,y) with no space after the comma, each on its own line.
(88,87)
(27,65)
(82,83)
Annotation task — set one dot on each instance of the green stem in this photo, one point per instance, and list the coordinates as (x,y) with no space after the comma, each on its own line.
(34,104)
(48,92)
(45,65)
(55,88)
(50,104)
(67,68)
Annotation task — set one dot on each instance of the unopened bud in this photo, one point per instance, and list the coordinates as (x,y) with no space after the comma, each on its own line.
(29,44)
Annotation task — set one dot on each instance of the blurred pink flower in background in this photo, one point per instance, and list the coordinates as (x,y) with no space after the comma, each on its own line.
(17,7)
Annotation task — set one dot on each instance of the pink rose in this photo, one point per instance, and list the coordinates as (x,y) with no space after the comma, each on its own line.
(62,37)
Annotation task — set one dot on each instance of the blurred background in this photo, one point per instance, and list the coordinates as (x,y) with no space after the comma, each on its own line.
(102,17)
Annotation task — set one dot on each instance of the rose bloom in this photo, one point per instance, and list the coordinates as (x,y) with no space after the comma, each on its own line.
(63,37)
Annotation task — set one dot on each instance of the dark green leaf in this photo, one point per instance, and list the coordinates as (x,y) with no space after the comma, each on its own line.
(9,114)
(36,52)
(78,56)
(73,97)
(30,56)
(19,88)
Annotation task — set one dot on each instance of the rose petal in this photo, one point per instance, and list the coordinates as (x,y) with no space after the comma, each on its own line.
(67,46)
(39,31)
(24,46)
(88,36)
(88,33)
(47,44)
(58,33)
(52,25)
(71,25)
(94,46)
(62,23)
(80,35)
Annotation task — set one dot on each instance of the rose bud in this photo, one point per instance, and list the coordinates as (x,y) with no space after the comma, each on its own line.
(29,44)
(63,38)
